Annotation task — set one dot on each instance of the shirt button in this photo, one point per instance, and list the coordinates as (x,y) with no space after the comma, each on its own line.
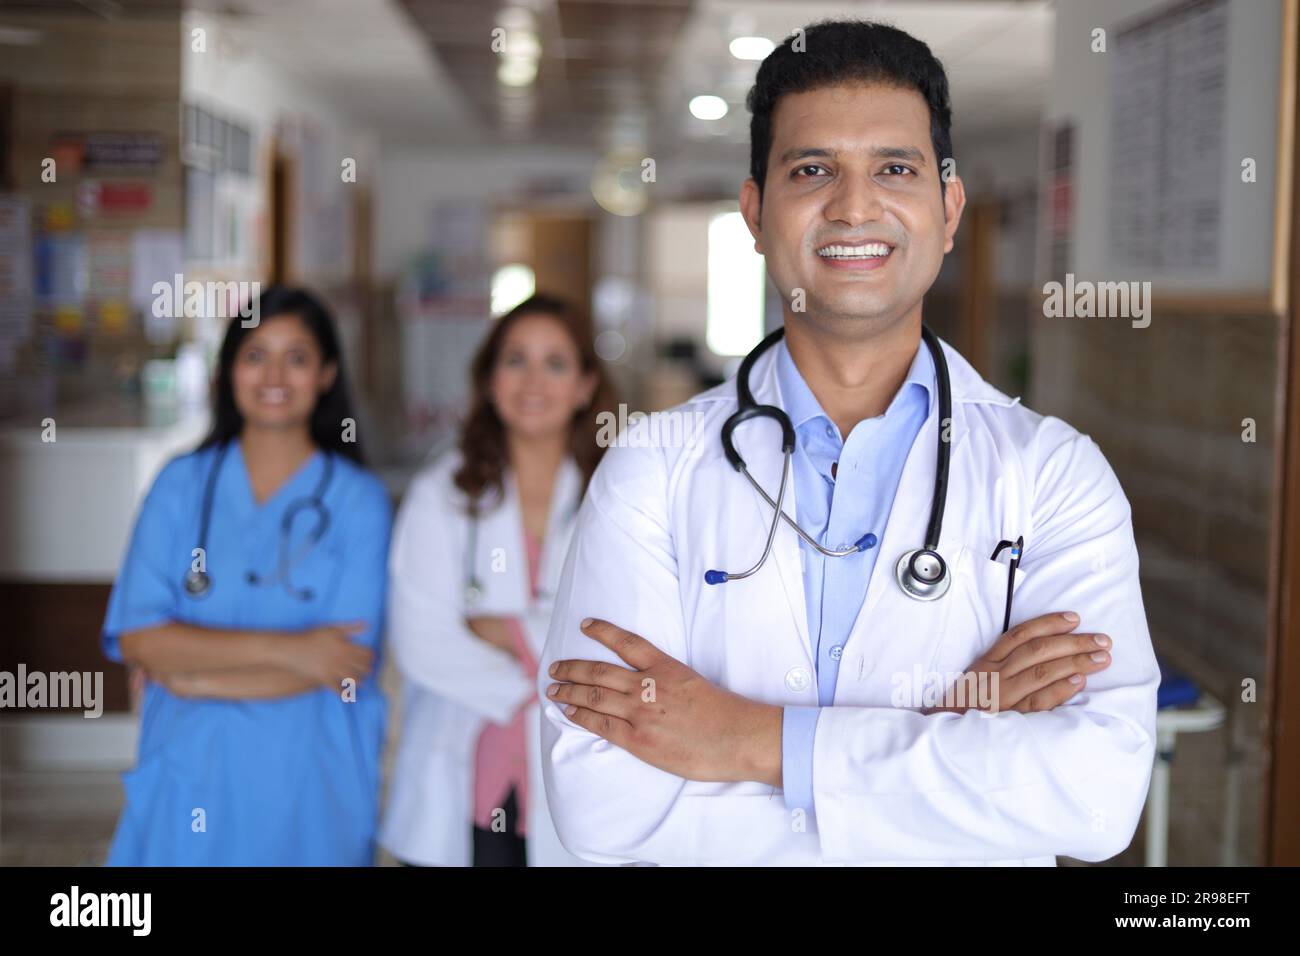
(837,652)
(797,679)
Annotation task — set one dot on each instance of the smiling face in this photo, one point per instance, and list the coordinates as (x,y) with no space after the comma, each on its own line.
(852,212)
(538,383)
(279,374)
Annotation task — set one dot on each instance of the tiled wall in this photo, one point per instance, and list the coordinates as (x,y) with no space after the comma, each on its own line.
(1166,405)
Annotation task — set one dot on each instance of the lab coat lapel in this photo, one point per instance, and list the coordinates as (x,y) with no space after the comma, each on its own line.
(503,527)
(564,508)
(759,443)
(910,515)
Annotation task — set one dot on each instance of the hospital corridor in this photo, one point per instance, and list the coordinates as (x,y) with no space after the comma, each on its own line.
(583,433)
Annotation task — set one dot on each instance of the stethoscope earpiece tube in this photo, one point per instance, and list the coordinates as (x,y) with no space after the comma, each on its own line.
(721,577)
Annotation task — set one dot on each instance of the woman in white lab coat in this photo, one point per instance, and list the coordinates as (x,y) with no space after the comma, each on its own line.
(477,550)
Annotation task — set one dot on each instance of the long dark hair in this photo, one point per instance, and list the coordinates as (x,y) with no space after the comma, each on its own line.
(332,407)
(484,454)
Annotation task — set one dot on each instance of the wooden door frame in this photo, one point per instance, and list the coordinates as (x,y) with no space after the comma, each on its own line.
(978,294)
(281,183)
(1281,825)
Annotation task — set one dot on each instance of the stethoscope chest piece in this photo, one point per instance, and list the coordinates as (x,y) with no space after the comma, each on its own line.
(923,574)
(197,583)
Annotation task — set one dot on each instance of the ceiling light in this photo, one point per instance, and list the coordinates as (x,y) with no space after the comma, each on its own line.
(522,43)
(516,72)
(708,107)
(751,48)
(516,18)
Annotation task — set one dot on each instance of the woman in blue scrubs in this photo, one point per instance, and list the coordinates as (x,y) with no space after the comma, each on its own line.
(252,597)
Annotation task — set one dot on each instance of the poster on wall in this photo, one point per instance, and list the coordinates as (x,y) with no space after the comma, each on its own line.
(1060,199)
(108,280)
(444,301)
(452,277)
(156,256)
(137,153)
(1167,102)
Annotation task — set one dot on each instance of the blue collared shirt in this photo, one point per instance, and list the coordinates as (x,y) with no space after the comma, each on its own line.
(837,508)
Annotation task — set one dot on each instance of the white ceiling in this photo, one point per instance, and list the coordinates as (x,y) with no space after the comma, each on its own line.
(363,56)
(369,61)
(997,55)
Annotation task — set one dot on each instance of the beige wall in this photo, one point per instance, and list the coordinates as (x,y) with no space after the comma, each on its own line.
(1166,404)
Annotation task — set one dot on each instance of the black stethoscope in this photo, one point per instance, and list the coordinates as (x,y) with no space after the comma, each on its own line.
(473,586)
(199,583)
(921,573)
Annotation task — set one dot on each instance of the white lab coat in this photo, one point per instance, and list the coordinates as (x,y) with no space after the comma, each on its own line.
(454,682)
(890,785)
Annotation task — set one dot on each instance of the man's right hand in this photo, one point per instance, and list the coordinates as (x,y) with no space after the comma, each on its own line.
(1037,665)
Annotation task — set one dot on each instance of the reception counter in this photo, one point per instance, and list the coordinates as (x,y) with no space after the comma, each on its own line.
(68,505)
(67,508)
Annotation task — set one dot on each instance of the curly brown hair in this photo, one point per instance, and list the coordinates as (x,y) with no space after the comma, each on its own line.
(484,454)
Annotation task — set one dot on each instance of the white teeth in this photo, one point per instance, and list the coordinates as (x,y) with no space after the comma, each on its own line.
(872,250)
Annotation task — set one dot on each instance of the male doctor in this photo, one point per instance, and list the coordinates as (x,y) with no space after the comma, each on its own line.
(778,718)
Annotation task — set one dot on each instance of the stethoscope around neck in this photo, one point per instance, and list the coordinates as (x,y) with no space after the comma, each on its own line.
(199,583)
(473,587)
(922,573)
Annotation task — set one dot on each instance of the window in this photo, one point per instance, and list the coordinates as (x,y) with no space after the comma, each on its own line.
(735,296)
(511,284)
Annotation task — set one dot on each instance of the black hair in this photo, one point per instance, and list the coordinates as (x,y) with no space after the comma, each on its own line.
(332,407)
(846,51)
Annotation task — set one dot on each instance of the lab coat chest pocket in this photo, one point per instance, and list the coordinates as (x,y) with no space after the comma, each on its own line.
(980,598)
(892,646)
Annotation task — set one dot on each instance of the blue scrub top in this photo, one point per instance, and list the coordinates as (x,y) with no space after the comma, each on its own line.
(281,782)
